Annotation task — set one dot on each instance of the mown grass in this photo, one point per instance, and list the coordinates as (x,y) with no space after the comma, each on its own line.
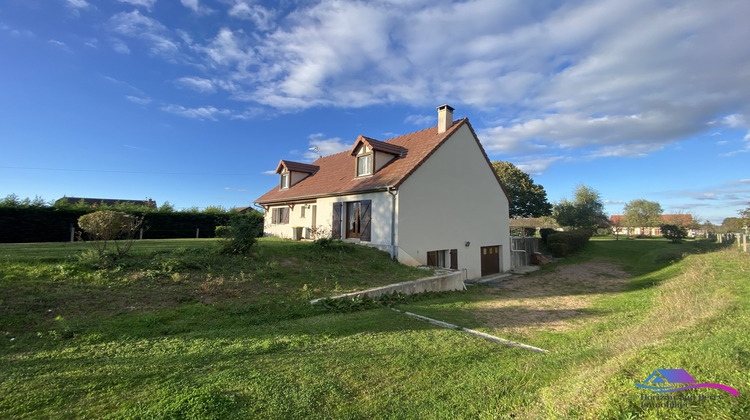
(160,349)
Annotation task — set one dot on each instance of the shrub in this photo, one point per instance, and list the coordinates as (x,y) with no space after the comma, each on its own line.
(561,244)
(243,233)
(544,233)
(223,231)
(558,249)
(110,227)
(674,233)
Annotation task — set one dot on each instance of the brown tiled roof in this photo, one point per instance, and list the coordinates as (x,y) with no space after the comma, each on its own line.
(296,167)
(618,218)
(336,174)
(379,146)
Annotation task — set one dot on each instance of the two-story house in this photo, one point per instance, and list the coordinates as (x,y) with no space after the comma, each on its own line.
(429,198)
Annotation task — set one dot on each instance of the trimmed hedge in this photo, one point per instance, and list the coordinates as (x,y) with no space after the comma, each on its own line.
(544,233)
(51,224)
(562,244)
(38,224)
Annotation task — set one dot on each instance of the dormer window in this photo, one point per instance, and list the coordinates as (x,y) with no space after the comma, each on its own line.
(364,165)
(291,173)
(372,155)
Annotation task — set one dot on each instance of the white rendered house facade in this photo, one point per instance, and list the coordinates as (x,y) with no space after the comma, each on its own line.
(428,198)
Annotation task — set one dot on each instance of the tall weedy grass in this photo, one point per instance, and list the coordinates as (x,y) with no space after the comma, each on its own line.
(693,290)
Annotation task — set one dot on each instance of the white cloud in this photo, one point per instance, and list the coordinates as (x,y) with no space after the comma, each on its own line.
(136,25)
(197,84)
(148,4)
(228,49)
(537,166)
(269,172)
(421,120)
(605,78)
(191,4)
(138,100)
(735,121)
(325,146)
(196,7)
(262,17)
(77,4)
(59,44)
(120,47)
(200,113)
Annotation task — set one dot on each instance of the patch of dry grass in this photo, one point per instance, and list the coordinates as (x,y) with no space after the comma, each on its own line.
(552,301)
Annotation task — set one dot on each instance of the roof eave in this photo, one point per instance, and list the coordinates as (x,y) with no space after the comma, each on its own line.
(323,195)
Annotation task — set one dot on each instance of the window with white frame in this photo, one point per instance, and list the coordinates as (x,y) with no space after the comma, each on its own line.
(364,165)
(284,181)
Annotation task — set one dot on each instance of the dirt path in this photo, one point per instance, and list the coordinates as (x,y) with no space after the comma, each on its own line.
(557,301)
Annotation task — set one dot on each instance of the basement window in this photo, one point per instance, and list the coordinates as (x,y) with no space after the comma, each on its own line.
(443,258)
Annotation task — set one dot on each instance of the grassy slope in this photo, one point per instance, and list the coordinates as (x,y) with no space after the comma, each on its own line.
(244,353)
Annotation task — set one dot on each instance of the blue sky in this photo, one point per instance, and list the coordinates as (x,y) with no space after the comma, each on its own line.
(195,101)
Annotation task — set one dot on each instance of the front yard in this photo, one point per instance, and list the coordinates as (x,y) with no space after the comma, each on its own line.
(178,332)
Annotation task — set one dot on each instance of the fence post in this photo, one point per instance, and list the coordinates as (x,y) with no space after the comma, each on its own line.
(140,234)
(197,233)
(72,233)
(745,240)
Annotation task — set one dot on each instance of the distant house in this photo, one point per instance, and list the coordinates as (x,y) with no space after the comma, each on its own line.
(108,201)
(429,198)
(684,220)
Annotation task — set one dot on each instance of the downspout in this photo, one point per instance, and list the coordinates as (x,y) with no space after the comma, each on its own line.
(394,252)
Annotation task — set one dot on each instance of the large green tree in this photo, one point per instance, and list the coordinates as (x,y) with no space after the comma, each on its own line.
(642,213)
(732,224)
(527,198)
(586,210)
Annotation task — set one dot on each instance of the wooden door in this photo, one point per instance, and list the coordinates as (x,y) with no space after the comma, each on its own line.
(490,259)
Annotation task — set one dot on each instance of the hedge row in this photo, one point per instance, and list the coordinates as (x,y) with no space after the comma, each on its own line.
(561,244)
(50,224)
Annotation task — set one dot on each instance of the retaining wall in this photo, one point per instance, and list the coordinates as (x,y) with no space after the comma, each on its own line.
(441,283)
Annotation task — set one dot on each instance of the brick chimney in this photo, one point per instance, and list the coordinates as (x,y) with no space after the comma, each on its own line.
(445,117)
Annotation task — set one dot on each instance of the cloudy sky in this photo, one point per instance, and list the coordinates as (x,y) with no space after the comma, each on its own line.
(194,101)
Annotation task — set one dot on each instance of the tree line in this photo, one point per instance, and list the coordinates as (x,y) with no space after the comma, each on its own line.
(36,220)
(586,209)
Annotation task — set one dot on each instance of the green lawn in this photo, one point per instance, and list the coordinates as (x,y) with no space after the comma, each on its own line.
(178,331)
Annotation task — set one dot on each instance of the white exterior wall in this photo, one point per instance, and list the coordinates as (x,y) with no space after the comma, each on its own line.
(453,198)
(285,230)
(380,214)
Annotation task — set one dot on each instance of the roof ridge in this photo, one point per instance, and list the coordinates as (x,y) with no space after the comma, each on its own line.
(455,123)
